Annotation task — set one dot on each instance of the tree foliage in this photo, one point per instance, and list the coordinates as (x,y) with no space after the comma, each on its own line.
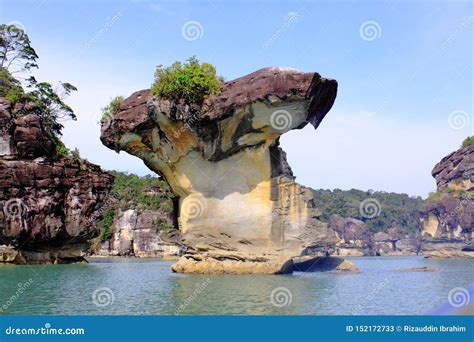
(16,53)
(468,141)
(112,108)
(17,58)
(395,209)
(191,82)
(130,191)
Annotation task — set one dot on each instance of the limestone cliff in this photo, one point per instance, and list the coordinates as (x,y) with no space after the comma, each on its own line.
(448,215)
(48,203)
(138,220)
(240,210)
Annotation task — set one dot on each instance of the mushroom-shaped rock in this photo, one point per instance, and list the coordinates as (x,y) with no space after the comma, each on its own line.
(239,210)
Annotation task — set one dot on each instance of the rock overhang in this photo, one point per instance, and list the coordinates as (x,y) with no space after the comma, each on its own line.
(268,86)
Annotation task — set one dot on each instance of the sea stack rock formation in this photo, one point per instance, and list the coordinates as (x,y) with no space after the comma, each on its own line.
(447,217)
(48,203)
(239,209)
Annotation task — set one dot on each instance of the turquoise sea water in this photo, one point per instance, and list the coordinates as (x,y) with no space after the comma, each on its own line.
(148,287)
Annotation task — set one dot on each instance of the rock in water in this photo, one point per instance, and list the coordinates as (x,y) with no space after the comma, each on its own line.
(240,210)
(323,264)
(48,203)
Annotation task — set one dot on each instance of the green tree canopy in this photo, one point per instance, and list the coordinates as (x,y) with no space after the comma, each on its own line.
(468,141)
(191,82)
(17,58)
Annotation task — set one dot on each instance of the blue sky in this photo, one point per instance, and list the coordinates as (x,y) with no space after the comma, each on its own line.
(405,83)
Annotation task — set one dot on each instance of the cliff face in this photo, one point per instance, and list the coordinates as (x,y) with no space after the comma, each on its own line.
(137,229)
(47,205)
(240,210)
(136,234)
(448,215)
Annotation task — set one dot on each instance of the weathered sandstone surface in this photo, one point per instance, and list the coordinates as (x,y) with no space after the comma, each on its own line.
(48,204)
(141,232)
(447,217)
(240,209)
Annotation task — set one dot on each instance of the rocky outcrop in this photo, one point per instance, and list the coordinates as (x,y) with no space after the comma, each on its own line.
(456,170)
(447,217)
(240,209)
(354,237)
(137,234)
(48,203)
(356,240)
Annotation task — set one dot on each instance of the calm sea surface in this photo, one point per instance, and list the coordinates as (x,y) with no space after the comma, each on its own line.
(148,287)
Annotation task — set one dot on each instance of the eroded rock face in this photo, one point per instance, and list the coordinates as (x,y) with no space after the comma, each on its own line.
(356,240)
(136,233)
(47,206)
(447,218)
(240,210)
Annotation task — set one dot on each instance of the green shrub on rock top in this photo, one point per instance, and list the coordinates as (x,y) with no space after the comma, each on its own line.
(191,82)
(112,108)
(468,141)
